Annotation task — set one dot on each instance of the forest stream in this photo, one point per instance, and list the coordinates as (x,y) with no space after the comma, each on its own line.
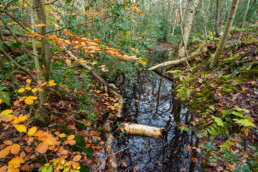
(150,101)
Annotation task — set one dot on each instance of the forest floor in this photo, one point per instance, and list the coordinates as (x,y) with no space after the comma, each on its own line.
(225,102)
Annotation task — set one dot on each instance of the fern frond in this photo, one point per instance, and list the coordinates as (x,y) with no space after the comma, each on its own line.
(244,122)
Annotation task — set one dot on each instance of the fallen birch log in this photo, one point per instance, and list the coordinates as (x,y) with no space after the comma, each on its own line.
(176,62)
(143,130)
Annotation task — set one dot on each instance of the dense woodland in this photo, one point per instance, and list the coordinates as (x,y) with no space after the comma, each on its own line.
(62,64)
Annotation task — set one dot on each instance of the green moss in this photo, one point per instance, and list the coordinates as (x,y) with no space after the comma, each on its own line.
(231,59)
(249,74)
(80,145)
(84,168)
(64,129)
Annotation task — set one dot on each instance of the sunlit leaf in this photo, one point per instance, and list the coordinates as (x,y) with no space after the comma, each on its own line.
(34,90)
(6,112)
(16,162)
(28,81)
(28,101)
(21,128)
(32,130)
(62,135)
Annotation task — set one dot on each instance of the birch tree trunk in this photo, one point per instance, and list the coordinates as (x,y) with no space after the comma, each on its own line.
(191,6)
(224,38)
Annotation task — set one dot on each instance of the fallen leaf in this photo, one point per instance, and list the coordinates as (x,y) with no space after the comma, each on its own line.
(5,151)
(32,130)
(42,148)
(123,163)
(15,148)
(77,158)
(8,142)
(21,128)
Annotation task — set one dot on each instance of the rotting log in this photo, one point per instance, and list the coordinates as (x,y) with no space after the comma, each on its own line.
(182,60)
(143,130)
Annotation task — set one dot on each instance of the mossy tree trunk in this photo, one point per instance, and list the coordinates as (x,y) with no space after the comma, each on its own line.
(229,23)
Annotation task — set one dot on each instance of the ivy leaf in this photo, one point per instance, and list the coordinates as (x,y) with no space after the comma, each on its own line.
(21,128)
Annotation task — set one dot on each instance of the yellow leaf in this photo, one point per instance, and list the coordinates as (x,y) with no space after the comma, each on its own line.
(15,162)
(21,90)
(62,135)
(15,148)
(34,90)
(22,118)
(1,101)
(32,97)
(28,88)
(28,81)
(5,151)
(6,112)
(29,101)
(21,128)
(32,130)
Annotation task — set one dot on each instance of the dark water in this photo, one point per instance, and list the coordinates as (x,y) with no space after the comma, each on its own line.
(150,101)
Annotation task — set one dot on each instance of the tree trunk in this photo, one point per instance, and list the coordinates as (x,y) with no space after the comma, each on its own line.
(45,57)
(243,23)
(217,20)
(191,6)
(223,41)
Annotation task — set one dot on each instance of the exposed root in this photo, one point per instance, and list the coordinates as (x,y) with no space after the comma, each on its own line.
(143,130)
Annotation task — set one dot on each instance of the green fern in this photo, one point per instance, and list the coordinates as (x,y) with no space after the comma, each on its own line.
(244,122)
(218,121)
(241,110)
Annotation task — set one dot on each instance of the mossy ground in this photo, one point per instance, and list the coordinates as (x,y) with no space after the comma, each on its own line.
(214,94)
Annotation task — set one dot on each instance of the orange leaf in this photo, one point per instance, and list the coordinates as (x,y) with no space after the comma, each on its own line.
(194,159)
(67,32)
(15,148)
(5,151)
(123,163)
(189,148)
(42,148)
(15,162)
(25,167)
(3,169)
(8,142)
(29,101)
(71,137)
(77,158)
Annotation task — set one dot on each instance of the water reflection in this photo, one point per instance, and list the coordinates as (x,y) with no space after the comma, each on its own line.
(150,101)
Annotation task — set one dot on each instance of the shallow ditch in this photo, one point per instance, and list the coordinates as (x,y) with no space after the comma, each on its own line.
(150,101)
